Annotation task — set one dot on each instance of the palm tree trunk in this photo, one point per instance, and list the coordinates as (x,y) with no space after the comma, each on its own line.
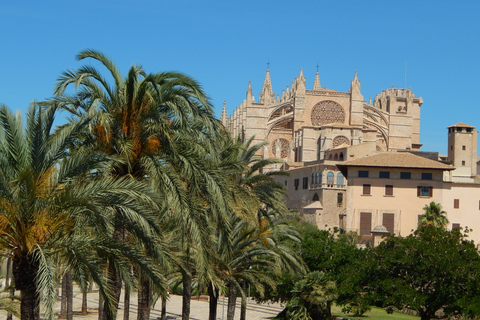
(243,309)
(164,308)
(84,302)
(7,281)
(115,283)
(212,301)
(25,269)
(232,300)
(69,291)
(144,298)
(63,298)
(114,278)
(126,304)
(187,295)
(100,305)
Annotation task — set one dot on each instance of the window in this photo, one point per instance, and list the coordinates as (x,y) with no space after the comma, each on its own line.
(340,179)
(365,223)
(296,182)
(463,162)
(405,175)
(456,203)
(389,190)
(363,174)
(389,221)
(330,179)
(315,197)
(426,176)
(451,147)
(463,148)
(339,199)
(366,189)
(469,129)
(286,183)
(305,183)
(424,191)
(455,225)
(385,174)
(313,179)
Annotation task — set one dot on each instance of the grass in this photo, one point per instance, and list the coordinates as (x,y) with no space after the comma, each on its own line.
(374,314)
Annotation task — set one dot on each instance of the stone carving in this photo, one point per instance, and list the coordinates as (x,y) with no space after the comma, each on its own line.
(327,112)
(339,140)
(280,148)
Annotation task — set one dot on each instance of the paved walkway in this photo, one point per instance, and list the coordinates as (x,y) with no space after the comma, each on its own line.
(198,311)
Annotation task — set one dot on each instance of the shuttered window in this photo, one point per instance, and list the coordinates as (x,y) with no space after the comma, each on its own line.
(455,225)
(456,203)
(389,190)
(365,223)
(366,189)
(389,221)
(424,191)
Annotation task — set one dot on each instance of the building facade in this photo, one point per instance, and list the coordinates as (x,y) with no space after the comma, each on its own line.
(358,165)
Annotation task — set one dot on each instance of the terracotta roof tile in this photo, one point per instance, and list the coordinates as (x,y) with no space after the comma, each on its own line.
(396,160)
(461,124)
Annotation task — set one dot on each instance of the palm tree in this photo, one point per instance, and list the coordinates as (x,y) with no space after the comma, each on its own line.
(54,207)
(312,298)
(434,216)
(141,120)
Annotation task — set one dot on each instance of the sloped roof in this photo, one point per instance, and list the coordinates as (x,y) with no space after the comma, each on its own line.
(314,205)
(461,124)
(395,160)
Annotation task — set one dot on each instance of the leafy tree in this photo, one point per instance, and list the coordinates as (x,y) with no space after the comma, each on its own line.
(430,271)
(433,216)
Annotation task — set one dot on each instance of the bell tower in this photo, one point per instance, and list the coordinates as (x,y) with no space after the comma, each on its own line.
(462,149)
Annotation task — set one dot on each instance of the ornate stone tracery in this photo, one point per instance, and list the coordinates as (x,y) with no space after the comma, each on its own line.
(280,146)
(339,140)
(326,112)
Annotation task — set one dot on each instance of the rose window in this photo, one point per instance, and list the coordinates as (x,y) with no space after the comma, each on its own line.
(327,112)
(339,140)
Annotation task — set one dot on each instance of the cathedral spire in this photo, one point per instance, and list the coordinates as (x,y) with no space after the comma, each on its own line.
(301,74)
(223,118)
(355,88)
(316,83)
(249,91)
(267,96)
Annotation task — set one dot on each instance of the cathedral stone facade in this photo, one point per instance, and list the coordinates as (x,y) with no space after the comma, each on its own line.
(301,125)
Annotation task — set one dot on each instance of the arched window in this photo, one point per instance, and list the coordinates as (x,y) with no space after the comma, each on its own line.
(335,157)
(315,197)
(330,179)
(341,156)
(340,179)
(330,157)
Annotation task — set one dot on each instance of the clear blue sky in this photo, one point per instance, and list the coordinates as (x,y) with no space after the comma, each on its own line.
(224,44)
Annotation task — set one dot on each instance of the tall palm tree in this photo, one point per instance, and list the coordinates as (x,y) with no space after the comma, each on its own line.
(53,206)
(141,119)
(433,216)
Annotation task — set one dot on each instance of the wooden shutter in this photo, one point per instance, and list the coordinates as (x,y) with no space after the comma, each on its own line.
(419,191)
(389,221)
(365,223)
(456,203)
(430,192)
(366,189)
(389,190)
(455,225)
